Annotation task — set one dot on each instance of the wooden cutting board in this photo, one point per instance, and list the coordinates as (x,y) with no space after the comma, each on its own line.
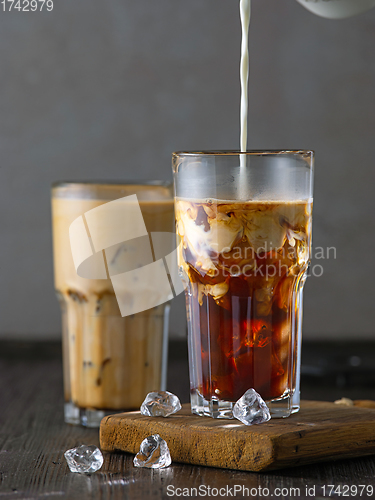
(321,431)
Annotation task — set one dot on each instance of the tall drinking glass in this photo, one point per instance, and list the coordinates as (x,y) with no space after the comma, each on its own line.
(111,358)
(245,224)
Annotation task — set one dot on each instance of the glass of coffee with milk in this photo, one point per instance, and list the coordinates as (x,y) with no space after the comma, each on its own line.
(244,220)
(114,295)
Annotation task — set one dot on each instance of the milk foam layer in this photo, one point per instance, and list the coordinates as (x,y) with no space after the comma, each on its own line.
(222,224)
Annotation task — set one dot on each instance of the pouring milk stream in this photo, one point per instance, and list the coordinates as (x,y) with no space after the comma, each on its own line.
(245,12)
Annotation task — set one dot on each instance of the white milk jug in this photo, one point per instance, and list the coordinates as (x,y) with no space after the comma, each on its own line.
(337,9)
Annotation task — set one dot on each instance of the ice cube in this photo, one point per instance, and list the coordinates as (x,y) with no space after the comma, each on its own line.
(216,291)
(153,453)
(264,231)
(251,409)
(84,459)
(160,404)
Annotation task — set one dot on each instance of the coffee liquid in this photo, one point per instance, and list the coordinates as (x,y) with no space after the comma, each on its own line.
(243,263)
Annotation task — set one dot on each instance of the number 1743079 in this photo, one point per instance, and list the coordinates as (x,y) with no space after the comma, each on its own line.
(27,5)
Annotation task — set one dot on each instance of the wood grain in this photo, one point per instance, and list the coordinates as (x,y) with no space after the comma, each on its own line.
(320,431)
(33,438)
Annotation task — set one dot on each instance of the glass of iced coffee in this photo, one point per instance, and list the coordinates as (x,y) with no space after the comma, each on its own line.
(245,224)
(111,357)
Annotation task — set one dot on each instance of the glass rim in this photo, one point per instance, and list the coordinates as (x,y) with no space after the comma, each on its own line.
(115,183)
(255,152)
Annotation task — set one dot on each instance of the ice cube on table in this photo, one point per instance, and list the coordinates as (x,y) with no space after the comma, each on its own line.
(251,409)
(153,453)
(160,404)
(84,459)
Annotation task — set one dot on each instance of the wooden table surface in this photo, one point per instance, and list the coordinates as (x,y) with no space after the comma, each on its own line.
(33,438)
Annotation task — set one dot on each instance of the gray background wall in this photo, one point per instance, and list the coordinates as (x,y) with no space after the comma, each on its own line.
(108,89)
